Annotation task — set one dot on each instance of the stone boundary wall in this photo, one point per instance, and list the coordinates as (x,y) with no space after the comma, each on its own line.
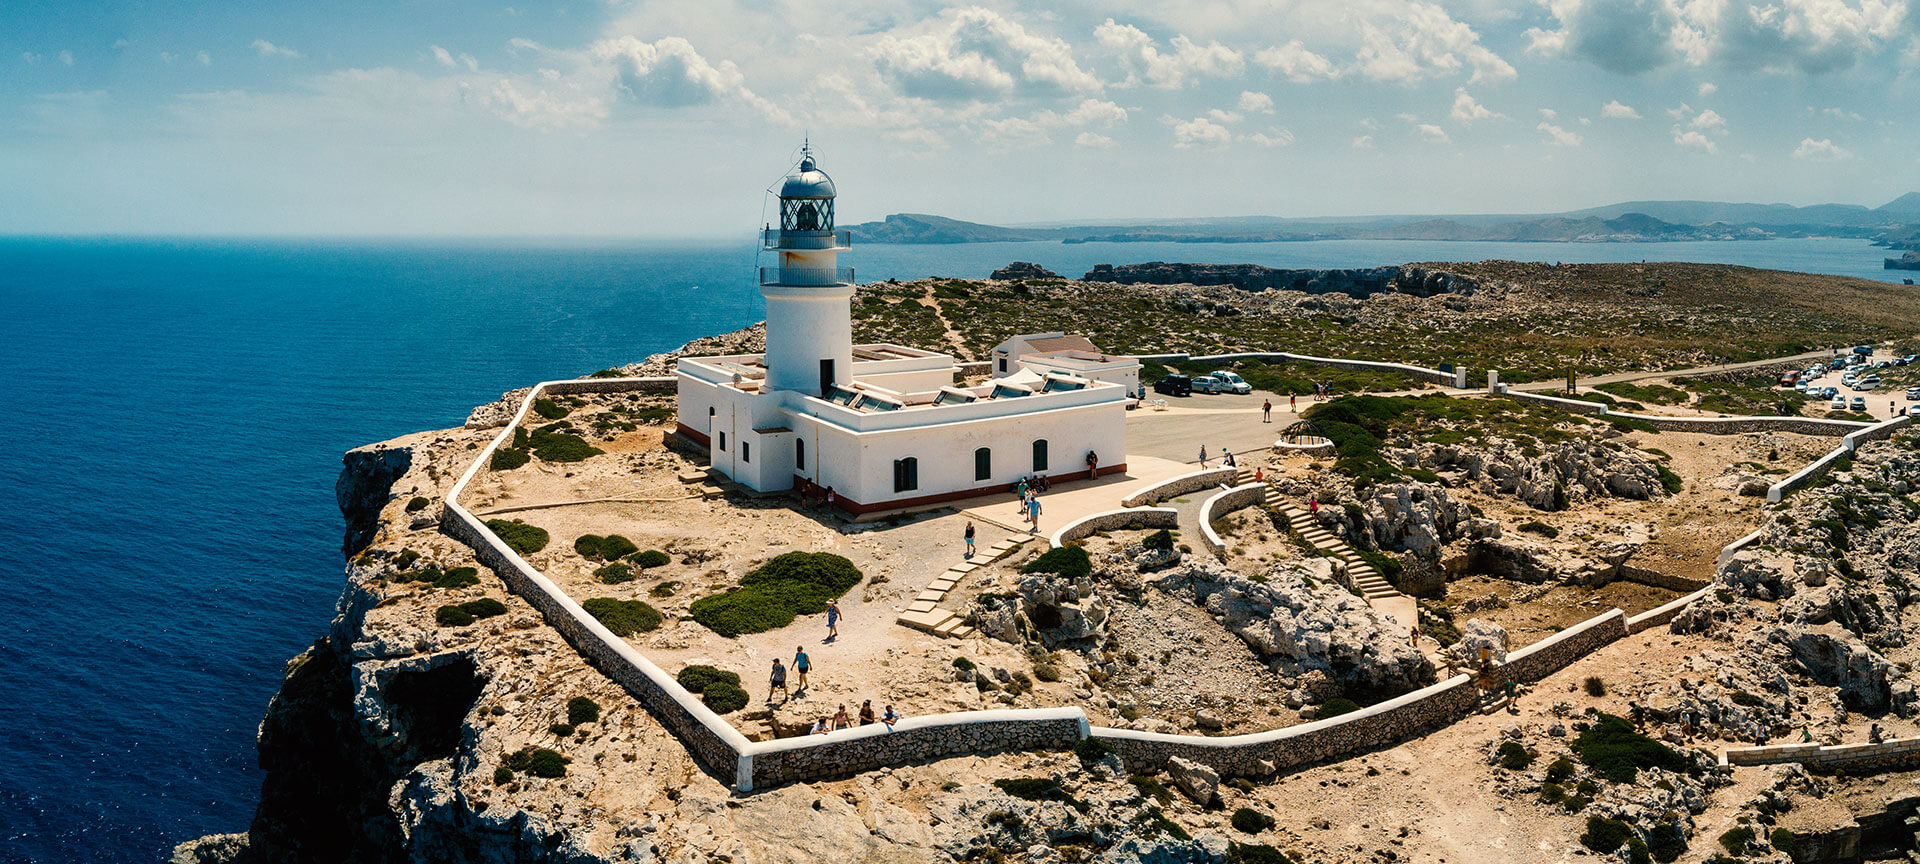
(1658,579)
(916,739)
(1262,753)
(1663,614)
(1219,505)
(1577,406)
(1896,753)
(1431,376)
(1553,653)
(1802,478)
(1181,485)
(1707,425)
(1149,517)
(1726,552)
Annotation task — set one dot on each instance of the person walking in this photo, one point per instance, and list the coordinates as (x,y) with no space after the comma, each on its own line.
(777,681)
(866,712)
(1313,505)
(1293,402)
(1035,510)
(833,620)
(1203,455)
(969,539)
(1266,411)
(801,665)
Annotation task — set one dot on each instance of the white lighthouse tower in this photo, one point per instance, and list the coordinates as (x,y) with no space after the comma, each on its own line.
(809,320)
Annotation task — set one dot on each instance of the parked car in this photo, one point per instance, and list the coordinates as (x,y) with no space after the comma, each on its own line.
(1913,394)
(1235,383)
(1208,384)
(1859,403)
(1863,350)
(1866,385)
(1839,403)
(1174,385)
(1913,410)
(1789,379)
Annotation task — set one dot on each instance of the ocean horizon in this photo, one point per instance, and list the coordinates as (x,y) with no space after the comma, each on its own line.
(187,400)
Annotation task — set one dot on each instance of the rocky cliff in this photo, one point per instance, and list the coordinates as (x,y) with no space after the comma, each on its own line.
(1359,284)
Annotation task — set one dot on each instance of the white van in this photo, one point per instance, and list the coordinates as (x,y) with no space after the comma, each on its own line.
(1235,383)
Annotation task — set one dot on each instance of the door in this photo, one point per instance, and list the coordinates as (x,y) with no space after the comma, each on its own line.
(826,375)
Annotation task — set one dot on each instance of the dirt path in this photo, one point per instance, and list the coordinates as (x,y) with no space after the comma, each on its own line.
(1617,377)
(950,336)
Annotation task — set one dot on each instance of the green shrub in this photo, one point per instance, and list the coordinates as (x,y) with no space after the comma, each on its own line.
(1247,820)
(587,546)
(614,547)
(519,536)
(796,583)
(623,617)
(1560,769)
(1068,561)
(1783,840)
(1046,671)
(1669,480)
(538,761)
(502,776)
(1614,750)
(560,730)
(696,677)
(650,559)
(664,589)
(552,444)
(1541,528)
(1388,566)
(1513,756)
(1595,687)
(452,616)
(1161,540)
(418,504)
(1667,841)
(1736,839)
(724,698)
(963,664)
(458,577)
(549,409)
(1034,789)
(1335,707)
(614,574)
(485,607)
(508,458)
(1251,853)
(1605,835)
(581,710)
(1089,749)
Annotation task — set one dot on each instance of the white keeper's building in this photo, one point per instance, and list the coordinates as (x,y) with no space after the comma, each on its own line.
(884,426)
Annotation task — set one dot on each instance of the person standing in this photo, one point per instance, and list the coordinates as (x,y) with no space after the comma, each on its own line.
(1266,411)
(1293,402)
(1035,510)
(1203,455)
(1093,464)
(777,681)
(866,712)
(833,620)
(801,665)
(1313,505)
(969,539)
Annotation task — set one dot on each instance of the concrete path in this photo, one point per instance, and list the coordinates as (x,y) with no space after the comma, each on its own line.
(1617,377)
(1066,502)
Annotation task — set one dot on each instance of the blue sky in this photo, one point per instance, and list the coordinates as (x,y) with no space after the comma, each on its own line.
(670,119)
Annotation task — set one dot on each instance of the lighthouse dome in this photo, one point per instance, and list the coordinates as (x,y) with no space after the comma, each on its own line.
(807,181)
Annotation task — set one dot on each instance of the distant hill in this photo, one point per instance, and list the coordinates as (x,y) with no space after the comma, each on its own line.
(1634,221)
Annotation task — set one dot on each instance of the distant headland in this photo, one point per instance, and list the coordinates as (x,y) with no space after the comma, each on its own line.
(1895,224)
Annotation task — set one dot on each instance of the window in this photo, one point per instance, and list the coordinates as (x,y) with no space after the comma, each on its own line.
(1040,454)
(799,454)
(906,474)
(746,451)
(723,440)
(983,463)
(1003,365)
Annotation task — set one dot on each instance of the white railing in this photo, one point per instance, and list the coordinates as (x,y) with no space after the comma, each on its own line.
(805,275)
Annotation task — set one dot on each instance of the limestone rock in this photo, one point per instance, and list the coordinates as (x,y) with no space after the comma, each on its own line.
(1199,782)
(1474,636)
(1022,270)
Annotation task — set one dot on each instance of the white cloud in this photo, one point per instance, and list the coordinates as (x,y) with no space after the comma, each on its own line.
(1423,41)
(1709,121)
(1694,140)
(1631,37)
(1558,135)
(30,57)
(66,58)
(1278,136)
(1187,63)
(1090,139)
(1219,116)
(1549,113)
(669,73)
(167,58)
(1199,132)
(1433,134)
(203,58)
(1091,111)
(1466,110)
(1364,142)
(977,54)
(1841,113)
(446,58)
(1708,88)
(268,49)
(1295,62)
(1618,111)
(1823,150)
(1256,103)
(544,109)
(1013,132)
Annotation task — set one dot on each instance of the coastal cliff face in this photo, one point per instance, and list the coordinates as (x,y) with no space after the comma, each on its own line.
(1358,284)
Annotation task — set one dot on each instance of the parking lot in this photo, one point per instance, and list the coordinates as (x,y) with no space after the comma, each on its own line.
(1887,400)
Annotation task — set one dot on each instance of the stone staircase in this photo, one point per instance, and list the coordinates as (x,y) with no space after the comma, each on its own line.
(925,613)
(1365,578)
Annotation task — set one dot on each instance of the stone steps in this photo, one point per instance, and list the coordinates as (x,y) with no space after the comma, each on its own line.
(924,613)
(1364,577)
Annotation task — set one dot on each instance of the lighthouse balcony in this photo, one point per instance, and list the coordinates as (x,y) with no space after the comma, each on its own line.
(776,239)
(805,276)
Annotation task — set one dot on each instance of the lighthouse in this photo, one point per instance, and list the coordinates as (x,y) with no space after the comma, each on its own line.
(809,316)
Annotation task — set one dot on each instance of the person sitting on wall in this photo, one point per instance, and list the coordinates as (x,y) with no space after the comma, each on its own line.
(820,726)
(889,717)
(1093,464)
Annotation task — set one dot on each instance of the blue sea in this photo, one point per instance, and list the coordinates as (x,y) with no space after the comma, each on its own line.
(167,485)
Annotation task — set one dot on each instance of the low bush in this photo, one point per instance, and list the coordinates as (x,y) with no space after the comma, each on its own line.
(1513,756)
(502,775)
(1560,769)
(1736,839)
(796,583)
(1335,707)
(614,547)
(1388,566)
(462,614)
(1247,820)
(623,617)
(452,616)
(614,574)
(1035,789)
(1089,749)
(560,730)
(581,710)
(963,664)
(664,589)
(1046,671)
(587,545)
(549,409)
(552,444)
(1252,853)
(1161,540)
(458,577)
(1541,528)
(1669,480)
(1595,687)
(508,458)
(1605,835)
(519,536)
(485,607)
(538,761)
(724,698)
(1783,840)
(696,677)
(418,504)
(1615,751)
(1068,561)
(650,559)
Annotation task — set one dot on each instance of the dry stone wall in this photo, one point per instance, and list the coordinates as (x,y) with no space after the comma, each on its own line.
(1222,503)
(916,740)
(1144,517)
(1181,485)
